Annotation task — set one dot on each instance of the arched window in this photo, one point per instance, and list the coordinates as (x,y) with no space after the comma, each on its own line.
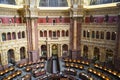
(67,33)
(88,34)
(97,35)
(3,36)
(13,35)
(9,36)
(19,35)
(54,33)
(50,33)
(108,35)
(84,33)
(41,34)
(113,35)
(109,56)
(93,34)
(45,33)
(102,35)
(23,34)
(58,33)
(63,33)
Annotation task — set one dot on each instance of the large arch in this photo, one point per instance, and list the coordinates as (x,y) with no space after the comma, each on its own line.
(65,50)
(54,50)
(109,56)
(85,51)
(22,53)
(96,54)
(11,56)
(43,50)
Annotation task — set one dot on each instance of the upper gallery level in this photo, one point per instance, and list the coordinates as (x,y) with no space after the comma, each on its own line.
(53,3)
(97,2)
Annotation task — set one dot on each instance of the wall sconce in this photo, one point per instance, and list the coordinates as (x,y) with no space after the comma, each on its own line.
(106,18)
(91,18)
(15,19)
(47,19)
(60,18)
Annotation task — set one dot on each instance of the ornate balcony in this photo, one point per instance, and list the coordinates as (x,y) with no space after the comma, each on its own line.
(99,24)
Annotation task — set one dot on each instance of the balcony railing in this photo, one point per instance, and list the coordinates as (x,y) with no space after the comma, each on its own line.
(100,24)
(51,24)
(105,23)
(103,2)
(53,38)
(13,24)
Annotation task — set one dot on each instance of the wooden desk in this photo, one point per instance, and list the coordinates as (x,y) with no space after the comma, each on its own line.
(70,71)
(39,73)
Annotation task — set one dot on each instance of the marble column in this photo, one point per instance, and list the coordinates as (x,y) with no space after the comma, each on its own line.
(59,50)
(48,50)
(40,51)
(75,35)
(26,54)
(82,51)
(1,37)
(34,34)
